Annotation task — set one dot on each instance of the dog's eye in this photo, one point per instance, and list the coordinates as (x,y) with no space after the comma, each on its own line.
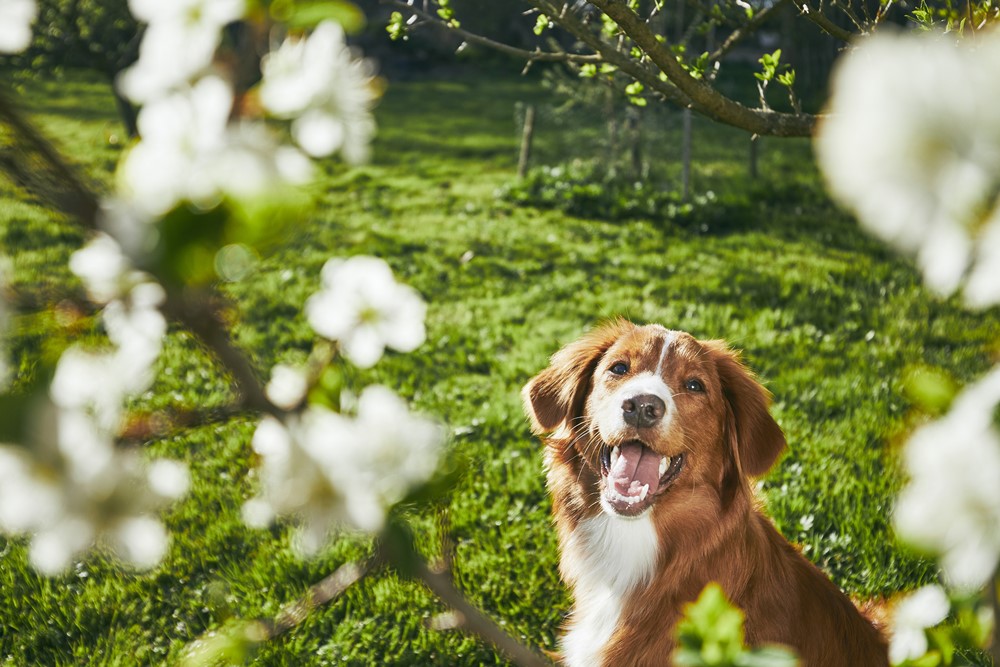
(694,385)
(619,368)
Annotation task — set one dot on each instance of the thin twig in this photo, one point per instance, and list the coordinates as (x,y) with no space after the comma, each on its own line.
(475,621)
(535,55)
(326,591)
(745,30)
(823,23)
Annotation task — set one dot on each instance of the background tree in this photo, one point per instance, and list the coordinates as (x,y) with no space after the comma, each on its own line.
(98,35)
(673,51)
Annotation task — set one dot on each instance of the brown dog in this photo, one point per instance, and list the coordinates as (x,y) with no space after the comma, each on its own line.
(651,435)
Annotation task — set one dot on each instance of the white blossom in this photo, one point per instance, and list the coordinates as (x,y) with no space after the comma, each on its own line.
(317,82)
(363,308)
(951,505)
(287,387)
(179,43)
(104,269)
(133,322)
(920,610)
(16,17)
(191,152)
(81,491)
(330,470)
(917,157)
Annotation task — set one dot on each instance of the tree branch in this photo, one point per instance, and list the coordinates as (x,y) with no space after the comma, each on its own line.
(531,56)
(473,620)
(327,590)
(613,56)
(704,98)
(824,23)
(198,312)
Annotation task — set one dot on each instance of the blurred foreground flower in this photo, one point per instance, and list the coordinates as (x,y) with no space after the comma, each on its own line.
(179,43)
(922,609)
(951,505)
(328,93)
(191,152)
(74,489)
(70,487)
(917,157)
(16,17)
(363,308)
(329,470)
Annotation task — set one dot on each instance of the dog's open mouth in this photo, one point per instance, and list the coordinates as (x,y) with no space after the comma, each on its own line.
(634,475)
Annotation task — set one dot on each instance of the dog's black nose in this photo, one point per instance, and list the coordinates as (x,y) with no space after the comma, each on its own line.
(643,410)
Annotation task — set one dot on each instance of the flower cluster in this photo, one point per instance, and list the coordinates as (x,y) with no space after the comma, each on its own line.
(179,44)
(327,92)
(86,493)
(362,307)
(74,488)
(952,504)
(328,469)
(16,17)
(191,152)
(918,157)
(920,610)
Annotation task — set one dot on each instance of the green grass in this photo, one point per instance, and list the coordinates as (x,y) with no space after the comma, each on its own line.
(830,319)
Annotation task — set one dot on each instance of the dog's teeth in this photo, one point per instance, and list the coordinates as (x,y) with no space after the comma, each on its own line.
(615,454)
(664,462)
(643,492)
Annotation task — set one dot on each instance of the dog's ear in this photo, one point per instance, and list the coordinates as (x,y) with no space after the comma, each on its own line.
(755,438)
(555,397)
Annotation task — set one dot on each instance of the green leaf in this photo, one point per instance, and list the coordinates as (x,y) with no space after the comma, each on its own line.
(588,70)
(396,27)
(634,88)
(304,14)
(930,389)
(542,24)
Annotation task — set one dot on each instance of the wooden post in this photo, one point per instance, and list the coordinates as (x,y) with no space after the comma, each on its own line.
(527,134)
(686,155)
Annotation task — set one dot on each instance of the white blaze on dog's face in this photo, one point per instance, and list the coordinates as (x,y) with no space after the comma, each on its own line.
(654,402)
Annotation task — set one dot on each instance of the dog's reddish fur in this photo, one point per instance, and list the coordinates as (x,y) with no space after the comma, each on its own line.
(707,523)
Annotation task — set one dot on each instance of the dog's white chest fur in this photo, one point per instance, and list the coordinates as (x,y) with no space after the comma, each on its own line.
(604,558)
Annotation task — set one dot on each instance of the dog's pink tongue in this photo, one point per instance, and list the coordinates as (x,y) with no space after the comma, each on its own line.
(635,467)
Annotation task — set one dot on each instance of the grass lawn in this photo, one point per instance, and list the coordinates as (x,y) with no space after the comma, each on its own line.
(830,319)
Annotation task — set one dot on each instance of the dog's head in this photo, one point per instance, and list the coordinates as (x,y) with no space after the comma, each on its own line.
(647,410)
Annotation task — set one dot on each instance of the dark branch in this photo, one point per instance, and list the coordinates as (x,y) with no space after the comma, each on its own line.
(199,313)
